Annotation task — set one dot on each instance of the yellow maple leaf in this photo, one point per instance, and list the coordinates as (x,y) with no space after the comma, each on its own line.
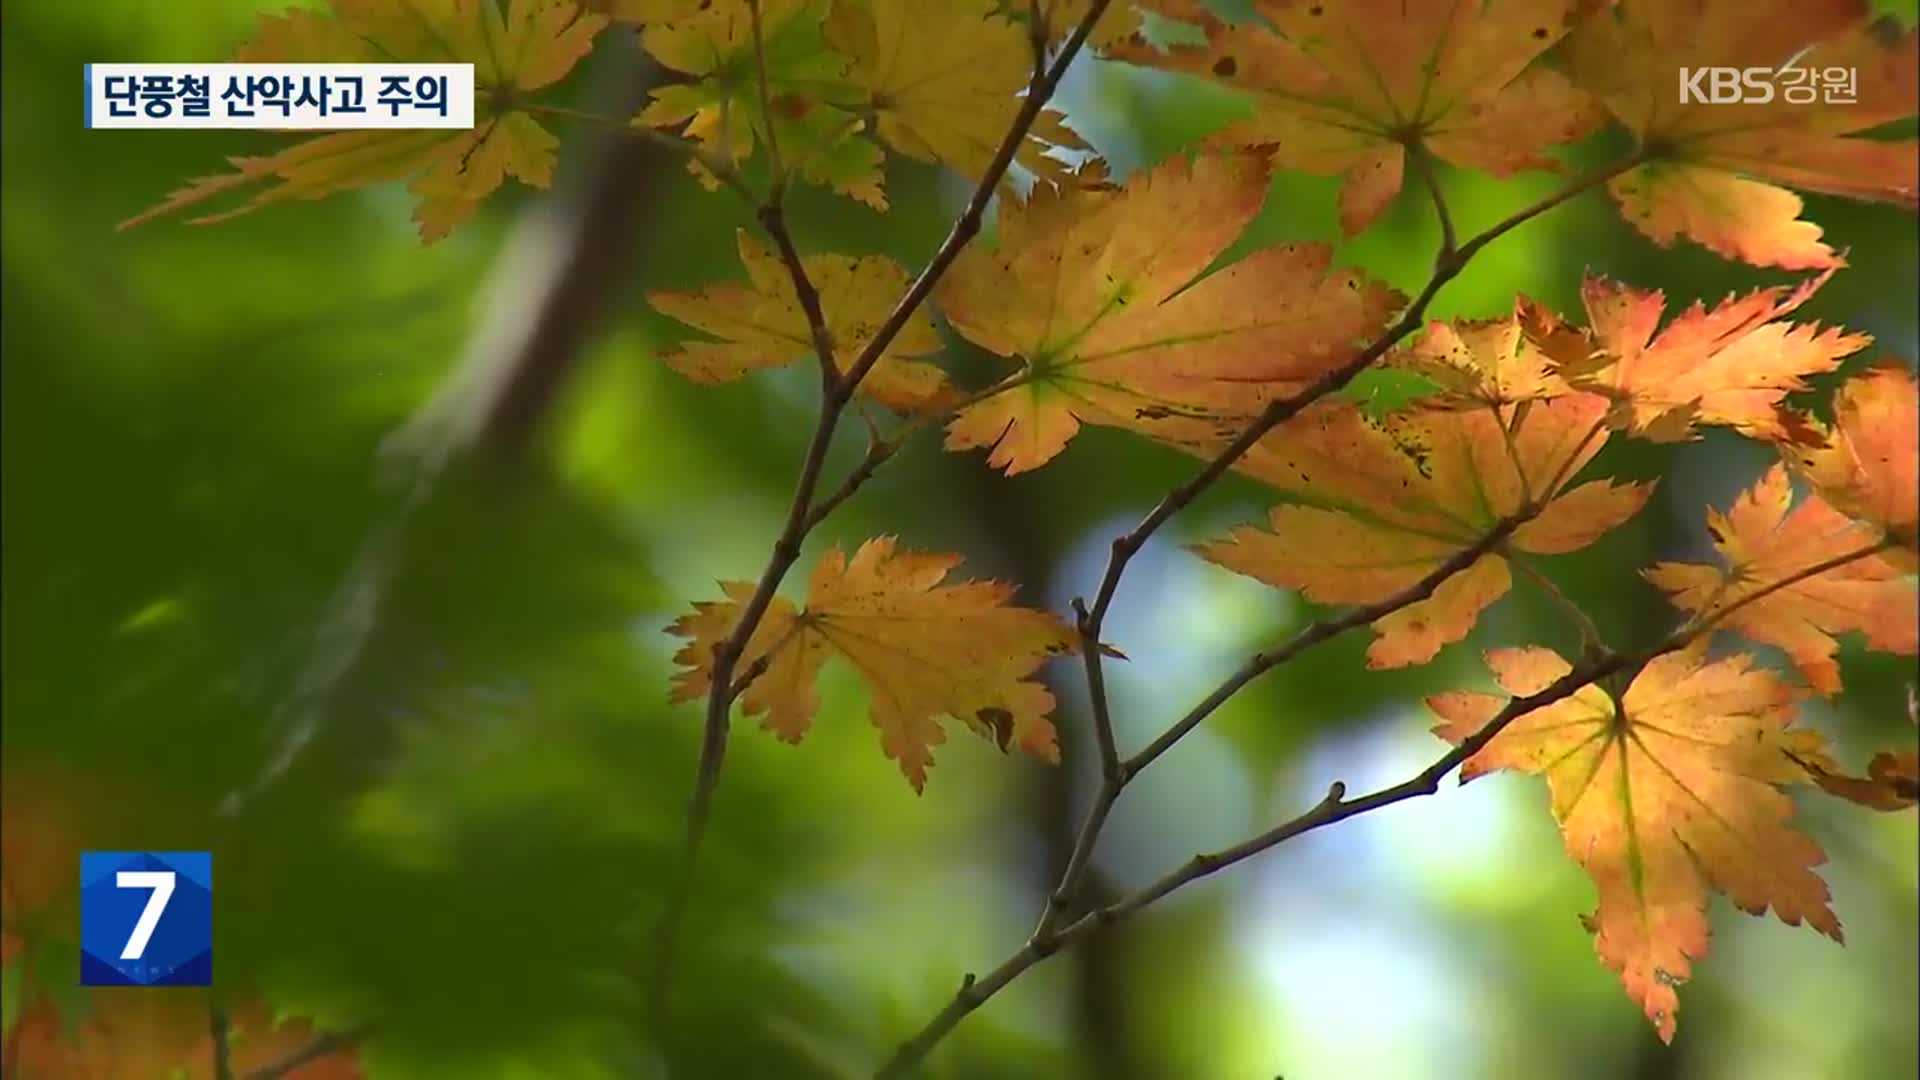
(1766,539)
(1481,363)
(516,48)
(1380,504)
(925,650)
(760,324)
(1344,88)
(1867,465)
(1731,365)
(943,79)
(1670,794)
(1094,292)
(1718,166)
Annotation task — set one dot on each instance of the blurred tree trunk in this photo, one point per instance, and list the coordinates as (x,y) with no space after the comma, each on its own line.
(552,289)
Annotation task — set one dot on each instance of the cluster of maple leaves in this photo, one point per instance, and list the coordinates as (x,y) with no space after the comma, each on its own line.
(1104,299)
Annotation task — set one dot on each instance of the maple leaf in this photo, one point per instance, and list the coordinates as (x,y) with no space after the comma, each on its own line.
(1670,792)
(1481,363)
(1765,540)
(926,650)
(807,87)
(1866,465)
(1380,504)
(517,48)
(1893,776)
(1347,88)
(1718,167)
(1729,366)
(1892,781)
(760,324)
(943,79)
(131,1031)
(1095,292)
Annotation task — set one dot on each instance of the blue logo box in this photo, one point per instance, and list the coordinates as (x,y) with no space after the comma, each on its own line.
(146,918)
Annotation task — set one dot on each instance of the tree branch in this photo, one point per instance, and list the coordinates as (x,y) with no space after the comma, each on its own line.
(1334,807)
(976,990)
(1046,939)
(799,520)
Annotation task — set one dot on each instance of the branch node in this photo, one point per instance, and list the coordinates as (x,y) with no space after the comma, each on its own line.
(1043,944)
(1336,793)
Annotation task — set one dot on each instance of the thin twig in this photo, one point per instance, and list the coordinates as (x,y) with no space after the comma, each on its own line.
(1097,690)
(1325,629)
(799,520)
(774,220)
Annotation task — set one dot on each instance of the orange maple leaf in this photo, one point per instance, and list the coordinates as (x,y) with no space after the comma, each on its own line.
(1892,781)
(1380,504)
(1765,540)
(133,1032)
(1730,366)
(925,650)
(1346,88)
(1095,292)
(1668,793)
(1716,166)
(515,48)
(761,324)
(1869,464)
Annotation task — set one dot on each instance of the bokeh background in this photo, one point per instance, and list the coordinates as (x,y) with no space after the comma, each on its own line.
(203,485)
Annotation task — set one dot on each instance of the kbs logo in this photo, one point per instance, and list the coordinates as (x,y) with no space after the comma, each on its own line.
(1760,85)
(146,918)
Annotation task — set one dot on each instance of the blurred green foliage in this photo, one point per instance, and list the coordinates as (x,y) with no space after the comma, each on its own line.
(470,853)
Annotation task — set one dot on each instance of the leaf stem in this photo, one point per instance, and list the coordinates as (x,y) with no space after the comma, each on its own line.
(1423,164)
(1590,638)
(778,187)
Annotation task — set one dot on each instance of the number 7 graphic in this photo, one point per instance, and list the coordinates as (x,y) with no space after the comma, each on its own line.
(161,882)
(146,918)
